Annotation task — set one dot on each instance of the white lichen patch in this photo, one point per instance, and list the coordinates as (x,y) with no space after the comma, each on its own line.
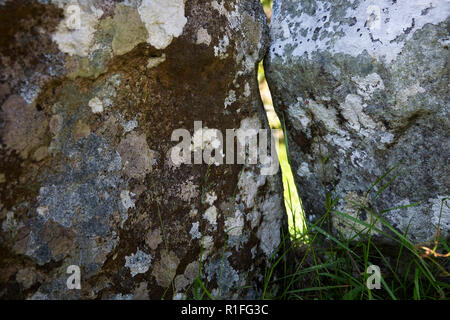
(129,126)
(269,231)
(195,233)
(75,33)
(188,190)
(224,273)
(220,7)
(254,218)
(204,138)
(203,37)
(234,225)
(368,85)
(357,158)
(43,211)
(138,262)
(253,251)
(96,105)
(179,296)
(248,185)
(211,216)
(207,244)
(386,138)
(154,62)
(211,197)
(352,111)
(344,142)
(404,94)
(303,170)
(125,198)
(299,116)
(381,28)
(221,49)
(247,91)
(193,212)
(164,20)
(248,132)
(230,99)
(325,115)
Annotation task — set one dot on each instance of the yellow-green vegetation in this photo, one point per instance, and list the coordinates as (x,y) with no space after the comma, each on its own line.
(337,267)
(296,215)
(320,264)
(316,263)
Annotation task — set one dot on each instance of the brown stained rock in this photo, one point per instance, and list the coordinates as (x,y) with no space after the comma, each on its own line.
(141,292)
(106,196)
(136,156)
(40,153)
(191,271)
(154,239)
(165,270)
(28,56)
(27,277)
(25,127)
(21,241)
(81,130)
(4,91)
(55,123)
(59,239)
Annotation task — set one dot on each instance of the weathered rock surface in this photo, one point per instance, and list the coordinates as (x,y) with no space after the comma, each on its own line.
(363,87)
(88,108)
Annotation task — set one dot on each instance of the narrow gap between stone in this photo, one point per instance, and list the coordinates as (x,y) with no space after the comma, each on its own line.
(292,200)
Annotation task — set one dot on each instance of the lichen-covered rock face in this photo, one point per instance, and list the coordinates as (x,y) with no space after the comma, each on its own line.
(90,96)
(363,87)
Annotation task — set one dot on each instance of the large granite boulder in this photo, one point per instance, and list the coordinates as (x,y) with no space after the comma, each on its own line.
(91,95)
(363,88)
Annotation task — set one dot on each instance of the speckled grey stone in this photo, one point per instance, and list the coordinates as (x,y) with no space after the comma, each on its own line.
(363,87)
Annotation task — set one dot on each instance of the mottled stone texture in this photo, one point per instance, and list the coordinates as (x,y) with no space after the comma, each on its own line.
(87,114)
(363,87)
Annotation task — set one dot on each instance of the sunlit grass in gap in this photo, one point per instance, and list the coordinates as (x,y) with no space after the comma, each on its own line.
(296,215)
(333,266)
